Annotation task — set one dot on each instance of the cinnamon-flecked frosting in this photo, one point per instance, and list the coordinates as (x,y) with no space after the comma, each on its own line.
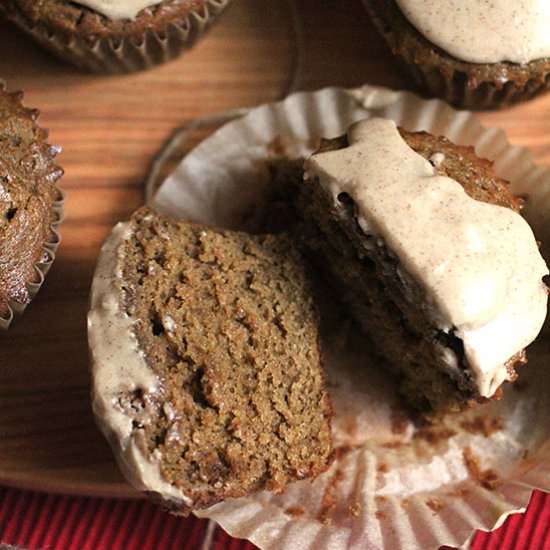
(119,368)
(118,9)
(480,31)
(478,264)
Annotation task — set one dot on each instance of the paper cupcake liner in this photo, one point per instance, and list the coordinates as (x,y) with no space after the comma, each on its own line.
(392,485)
(125,54)
(457,87)
(49,249)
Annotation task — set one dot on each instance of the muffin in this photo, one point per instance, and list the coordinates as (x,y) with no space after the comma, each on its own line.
(114,37)
(207,375)
(475,55)
(30,205)
(426,246)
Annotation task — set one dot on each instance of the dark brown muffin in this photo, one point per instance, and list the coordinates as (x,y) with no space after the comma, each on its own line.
(461,83)
(29,204)
(96,43)
(370,279)
(227,396)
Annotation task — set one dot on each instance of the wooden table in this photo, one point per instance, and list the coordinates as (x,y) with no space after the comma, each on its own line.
(110,128)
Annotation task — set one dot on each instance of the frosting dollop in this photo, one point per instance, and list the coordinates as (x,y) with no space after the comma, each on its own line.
(118,9)
(478,263)
(482,31)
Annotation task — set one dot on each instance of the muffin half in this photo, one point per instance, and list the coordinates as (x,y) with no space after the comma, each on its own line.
(207,377)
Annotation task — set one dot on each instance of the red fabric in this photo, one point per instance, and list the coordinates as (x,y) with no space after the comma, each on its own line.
(38,521)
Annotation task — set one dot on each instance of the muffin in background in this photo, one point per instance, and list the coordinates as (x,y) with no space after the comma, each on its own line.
(114,37)
(30,205)
(459,52)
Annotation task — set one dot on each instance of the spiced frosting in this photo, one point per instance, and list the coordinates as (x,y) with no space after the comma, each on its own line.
(481,31)
(477,263)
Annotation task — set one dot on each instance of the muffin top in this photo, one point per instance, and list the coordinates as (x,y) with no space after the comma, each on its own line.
(27,196)
(96,18)
(484,32)
(477,263)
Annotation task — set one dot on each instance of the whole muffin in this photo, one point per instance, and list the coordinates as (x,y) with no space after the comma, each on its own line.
(475,55)
(30,205)
(114,37)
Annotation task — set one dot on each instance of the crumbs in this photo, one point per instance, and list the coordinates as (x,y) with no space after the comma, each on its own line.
(330,498)
(276,147)
(394,445)
(380,500)
(295,511)
(486,478)
(434,504)
(435,435)
(483,425)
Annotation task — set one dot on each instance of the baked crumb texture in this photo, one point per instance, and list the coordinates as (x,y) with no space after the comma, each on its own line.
(227,322)
(366,277)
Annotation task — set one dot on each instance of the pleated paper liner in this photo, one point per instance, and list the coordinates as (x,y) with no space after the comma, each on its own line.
(107,54)
(49,251)
(392,485)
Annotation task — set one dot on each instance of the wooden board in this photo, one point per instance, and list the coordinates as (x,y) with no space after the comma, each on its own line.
(110,128)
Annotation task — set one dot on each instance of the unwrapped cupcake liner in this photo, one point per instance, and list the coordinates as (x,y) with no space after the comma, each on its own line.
(106,54)
(392,485)
(457,87)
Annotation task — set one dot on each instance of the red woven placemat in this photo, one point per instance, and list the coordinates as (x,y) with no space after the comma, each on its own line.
(39,521)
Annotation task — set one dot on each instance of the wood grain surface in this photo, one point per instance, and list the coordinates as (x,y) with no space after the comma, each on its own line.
(110,128)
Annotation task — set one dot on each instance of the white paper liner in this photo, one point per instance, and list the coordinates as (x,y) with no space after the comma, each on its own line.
(388,488)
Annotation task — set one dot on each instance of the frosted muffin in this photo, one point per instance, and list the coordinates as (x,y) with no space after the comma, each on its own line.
(30,205)
(207,375)
(475,55)
(426,246)
(122,36)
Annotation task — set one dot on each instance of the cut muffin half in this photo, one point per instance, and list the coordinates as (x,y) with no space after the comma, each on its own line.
(206,367)
(464,84)
(427,247)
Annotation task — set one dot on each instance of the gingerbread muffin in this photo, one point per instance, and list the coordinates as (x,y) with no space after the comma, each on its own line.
(426,246)
(114,37)
(206,367)
(475,55)
(30,205)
